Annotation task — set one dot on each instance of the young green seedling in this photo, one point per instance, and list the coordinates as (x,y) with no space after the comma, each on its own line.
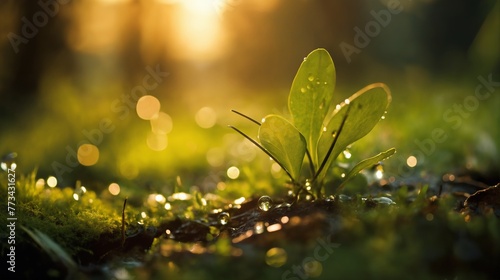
(316,130)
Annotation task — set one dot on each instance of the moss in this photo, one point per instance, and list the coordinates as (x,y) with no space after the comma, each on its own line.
(77,226)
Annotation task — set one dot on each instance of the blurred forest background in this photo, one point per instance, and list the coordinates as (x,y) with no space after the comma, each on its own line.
(72,73)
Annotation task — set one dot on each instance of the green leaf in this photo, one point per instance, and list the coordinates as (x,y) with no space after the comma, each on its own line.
(366,163)
(311,96)
(284,142)
(367,106)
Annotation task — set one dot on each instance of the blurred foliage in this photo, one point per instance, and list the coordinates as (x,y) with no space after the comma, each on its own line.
(77,74)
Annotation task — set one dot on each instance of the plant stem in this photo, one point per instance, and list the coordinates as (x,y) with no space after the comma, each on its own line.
(311,164)
(336,137)
(123,221)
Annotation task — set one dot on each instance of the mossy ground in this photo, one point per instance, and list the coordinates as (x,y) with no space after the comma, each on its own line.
(425,235)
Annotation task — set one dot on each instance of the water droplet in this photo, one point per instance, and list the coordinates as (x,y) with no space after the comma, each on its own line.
(322,104)
(308,86)
(303,90)
(382,118)
(310,78)
(330,198)
(347,101)
(265,203)
(308,185)
(347,154)
(305,58)
(325,83)
(318,83)
(284,205)
(344,198)
(384,200)
(8,161)
(324,128)
(224,218)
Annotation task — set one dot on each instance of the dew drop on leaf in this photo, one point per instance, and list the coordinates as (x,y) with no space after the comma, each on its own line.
(311,78)
(265,203)
(303,90)
(347,154)
(224,218)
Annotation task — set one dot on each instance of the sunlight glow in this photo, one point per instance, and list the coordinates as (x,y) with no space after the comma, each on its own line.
(233,172)
(148,107)
(114,188)
(198,6)
(206,117)
(239,200)
(160,198)
(274,227)
(180,196)
(411,161)
(161,123)
(285,219)
(40,183)
(88,154)
(200,39)
(157,142)
(51,181)
(275,168)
